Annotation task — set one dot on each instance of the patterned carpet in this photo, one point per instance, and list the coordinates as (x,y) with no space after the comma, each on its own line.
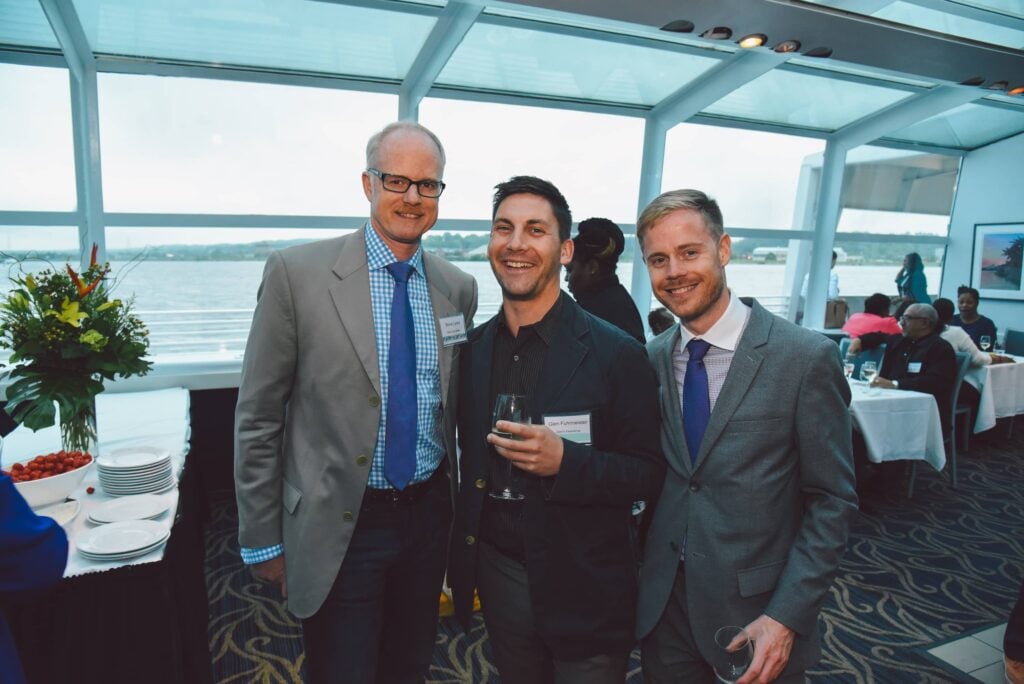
(918,572)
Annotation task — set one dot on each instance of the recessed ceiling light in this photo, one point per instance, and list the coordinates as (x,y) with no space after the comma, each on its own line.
(819,52)
(1019,90)
(718,33)
(753,40)
(973,81)
(678,26)
(998,85)
(788,46)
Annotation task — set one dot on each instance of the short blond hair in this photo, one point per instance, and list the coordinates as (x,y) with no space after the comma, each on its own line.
(674,200)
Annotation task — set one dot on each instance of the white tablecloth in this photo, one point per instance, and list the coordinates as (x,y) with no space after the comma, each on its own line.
(159,418)
(898,424)
(1002,392)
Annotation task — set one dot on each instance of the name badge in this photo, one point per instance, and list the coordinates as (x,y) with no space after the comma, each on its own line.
(914,367)
(453,330)
(574,427)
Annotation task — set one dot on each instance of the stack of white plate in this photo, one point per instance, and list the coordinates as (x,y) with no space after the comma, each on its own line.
(135,470)
(134,507)
(122,540)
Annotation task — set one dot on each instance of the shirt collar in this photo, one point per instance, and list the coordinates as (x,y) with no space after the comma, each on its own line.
(379,255)
(545,327)
(726,332)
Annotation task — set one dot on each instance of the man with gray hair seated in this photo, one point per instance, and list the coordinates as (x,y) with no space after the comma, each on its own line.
(918,360)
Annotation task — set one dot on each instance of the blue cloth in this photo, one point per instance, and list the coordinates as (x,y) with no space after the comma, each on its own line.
(914,284)
(983,326)
(429,439)
(400,431)
(696,400)
(33,553)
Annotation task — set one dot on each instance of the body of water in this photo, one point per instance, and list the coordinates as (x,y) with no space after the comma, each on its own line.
(193,306)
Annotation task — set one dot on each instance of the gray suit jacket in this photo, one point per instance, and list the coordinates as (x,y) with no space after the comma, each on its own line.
(309,404)
(766,509)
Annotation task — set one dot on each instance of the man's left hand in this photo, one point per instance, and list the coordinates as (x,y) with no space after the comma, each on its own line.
(884,383)
(533,448)
(772,644)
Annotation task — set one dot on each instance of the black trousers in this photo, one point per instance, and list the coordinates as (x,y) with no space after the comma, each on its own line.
(379,621)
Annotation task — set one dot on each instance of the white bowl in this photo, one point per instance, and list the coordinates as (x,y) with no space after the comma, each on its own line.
(51,489)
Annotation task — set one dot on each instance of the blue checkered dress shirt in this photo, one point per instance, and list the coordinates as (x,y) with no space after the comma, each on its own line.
(429,439)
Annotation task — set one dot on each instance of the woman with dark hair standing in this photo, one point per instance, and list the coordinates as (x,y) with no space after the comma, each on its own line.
(911,281)
(973,323)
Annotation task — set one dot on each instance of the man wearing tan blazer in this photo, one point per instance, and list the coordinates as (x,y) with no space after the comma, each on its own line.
(755,510)
(345,425)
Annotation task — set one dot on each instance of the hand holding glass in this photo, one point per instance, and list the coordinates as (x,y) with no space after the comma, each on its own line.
(734,651)
(510,407)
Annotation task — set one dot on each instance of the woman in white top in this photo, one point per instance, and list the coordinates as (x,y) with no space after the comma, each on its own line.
(962,342)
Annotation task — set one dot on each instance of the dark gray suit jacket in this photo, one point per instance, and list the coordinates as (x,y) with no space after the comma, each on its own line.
(765,511)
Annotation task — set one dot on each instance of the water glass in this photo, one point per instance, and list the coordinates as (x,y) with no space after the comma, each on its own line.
(848,367)
(510,407)
(868,371)
(734,651)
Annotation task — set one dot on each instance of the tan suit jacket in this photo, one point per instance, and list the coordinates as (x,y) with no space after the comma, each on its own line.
(309,404)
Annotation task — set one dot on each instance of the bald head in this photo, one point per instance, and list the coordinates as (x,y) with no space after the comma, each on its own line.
(919,320)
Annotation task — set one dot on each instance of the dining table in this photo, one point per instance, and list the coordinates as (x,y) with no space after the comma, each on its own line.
(897,424)
(1001,386)
(141,619)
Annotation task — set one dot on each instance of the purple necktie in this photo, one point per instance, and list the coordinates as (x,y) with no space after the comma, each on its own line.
(696,401)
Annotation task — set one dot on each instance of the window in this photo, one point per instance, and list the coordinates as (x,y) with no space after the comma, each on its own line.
(38,168)
(200,146)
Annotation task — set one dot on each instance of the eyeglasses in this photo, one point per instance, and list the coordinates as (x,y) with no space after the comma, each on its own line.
(913,318)
(392,183)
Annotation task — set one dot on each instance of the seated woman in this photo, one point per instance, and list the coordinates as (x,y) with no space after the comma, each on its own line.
(962,342)
(973,323)
(875,318)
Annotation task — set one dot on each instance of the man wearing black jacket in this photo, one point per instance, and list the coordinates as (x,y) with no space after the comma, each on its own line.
(918,360)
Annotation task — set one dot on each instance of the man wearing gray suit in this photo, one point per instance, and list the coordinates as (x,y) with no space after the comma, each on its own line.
(345,424)
(754,514)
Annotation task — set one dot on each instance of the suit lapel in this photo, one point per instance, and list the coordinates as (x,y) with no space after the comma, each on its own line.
(565,354)
(744,366)
(351,296)
(440,300)
(661,356)
(479,380)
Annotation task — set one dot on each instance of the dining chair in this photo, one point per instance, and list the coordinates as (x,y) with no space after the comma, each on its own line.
(875,355)
(963,363)
(1013,343)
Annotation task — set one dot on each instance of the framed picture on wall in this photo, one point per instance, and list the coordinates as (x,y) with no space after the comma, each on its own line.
(996,264)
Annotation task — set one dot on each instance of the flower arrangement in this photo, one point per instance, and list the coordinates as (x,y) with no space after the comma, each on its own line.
(67,335)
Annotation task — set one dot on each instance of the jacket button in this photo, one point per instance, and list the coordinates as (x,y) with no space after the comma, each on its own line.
(347,516)
(694,487)
(362,460)
(470,540)
(480,483)
(374,400)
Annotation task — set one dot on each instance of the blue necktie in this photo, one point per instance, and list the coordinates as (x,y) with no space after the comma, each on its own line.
(696,401)
(400,428)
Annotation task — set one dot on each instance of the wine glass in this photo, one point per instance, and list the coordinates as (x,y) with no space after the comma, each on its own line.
(510,407)
(848,368)
(985,342)
(868,371)
(734,652)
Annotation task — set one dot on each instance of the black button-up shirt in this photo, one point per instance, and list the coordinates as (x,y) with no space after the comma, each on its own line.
(516,362)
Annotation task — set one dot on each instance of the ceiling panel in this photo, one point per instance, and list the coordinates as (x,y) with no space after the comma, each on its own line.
(517,60)
(285,34)
(22,22)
